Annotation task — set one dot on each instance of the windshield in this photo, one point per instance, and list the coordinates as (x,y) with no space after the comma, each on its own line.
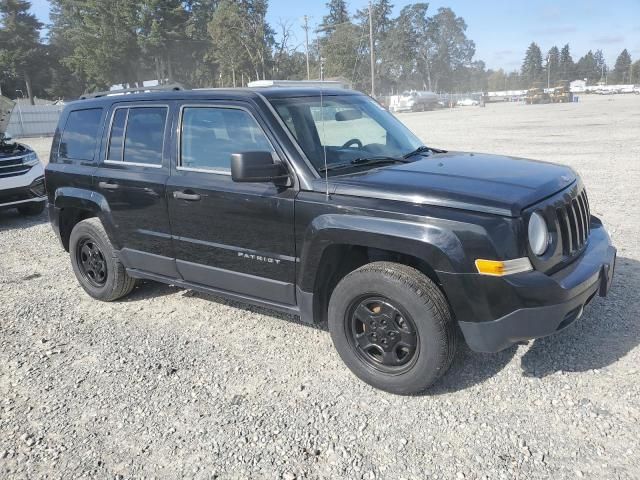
(349,127)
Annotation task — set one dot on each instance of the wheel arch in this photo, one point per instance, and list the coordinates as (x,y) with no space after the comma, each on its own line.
(335,245)
(72,205)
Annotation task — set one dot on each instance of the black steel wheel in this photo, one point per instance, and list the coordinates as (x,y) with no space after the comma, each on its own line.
(93,265)
(392,327)
(382,334)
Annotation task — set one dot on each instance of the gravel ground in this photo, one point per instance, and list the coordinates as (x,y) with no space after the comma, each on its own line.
(172,384)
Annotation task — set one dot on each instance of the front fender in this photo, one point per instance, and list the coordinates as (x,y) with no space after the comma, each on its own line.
(433,242)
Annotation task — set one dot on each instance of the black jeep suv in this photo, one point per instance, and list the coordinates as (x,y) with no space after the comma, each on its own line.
(322,204)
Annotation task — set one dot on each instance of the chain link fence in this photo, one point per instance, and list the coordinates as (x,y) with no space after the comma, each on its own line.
(34,120)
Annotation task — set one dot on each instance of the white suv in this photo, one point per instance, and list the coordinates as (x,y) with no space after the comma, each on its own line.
(21,178)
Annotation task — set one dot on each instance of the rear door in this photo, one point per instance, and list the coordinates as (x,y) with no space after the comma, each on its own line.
(132,178)
(237,237)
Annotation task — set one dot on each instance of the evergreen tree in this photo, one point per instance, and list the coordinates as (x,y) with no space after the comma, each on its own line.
(532,71)
(567,67)
(162,25)
(635,72)
(20,50)
(338,15)
(553,65)
(103,40)
(601,65)
(587,67)
(622,69)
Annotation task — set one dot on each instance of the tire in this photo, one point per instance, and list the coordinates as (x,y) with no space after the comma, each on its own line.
(31,209)
(419,305)
(91,251)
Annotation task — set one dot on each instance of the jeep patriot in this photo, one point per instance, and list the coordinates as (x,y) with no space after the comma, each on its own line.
(319,203)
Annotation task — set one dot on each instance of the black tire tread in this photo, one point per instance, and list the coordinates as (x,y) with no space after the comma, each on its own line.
(123,283)
(433,299)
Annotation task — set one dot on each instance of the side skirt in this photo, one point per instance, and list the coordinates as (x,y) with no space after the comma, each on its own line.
(290,309)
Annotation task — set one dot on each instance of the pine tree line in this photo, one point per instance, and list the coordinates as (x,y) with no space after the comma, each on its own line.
(93,44)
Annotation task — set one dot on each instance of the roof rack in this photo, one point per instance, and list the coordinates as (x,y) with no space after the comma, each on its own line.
(162,88)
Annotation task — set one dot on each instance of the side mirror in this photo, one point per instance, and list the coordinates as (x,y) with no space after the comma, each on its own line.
(256,167)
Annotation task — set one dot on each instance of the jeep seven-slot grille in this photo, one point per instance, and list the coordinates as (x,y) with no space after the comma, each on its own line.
(574,220)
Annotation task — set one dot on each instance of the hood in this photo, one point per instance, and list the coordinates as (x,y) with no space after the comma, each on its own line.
(485,183)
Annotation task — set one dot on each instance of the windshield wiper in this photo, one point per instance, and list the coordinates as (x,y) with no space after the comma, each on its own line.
(422,149)
(363,161)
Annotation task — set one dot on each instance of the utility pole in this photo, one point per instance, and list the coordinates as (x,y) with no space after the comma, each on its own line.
(373,57)
(548,72)
(306,35)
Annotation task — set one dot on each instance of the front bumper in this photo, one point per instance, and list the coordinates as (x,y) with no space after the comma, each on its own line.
(25,188)
(539,304)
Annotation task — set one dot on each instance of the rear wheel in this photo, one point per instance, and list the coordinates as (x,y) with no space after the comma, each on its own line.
(95,263)
(392,327)
(31,209)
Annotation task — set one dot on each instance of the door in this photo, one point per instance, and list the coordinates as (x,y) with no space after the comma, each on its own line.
(132,178)
(237,237)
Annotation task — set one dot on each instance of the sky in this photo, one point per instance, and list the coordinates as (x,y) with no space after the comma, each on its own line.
(501,29)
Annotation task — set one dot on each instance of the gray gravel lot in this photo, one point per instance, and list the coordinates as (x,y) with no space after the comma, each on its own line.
(172,384)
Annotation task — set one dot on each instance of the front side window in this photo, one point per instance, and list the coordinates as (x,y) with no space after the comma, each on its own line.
(137,135)
(78,141)
(209,135)
(345,128)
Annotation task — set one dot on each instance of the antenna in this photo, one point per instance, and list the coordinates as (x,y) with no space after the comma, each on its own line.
(324,144)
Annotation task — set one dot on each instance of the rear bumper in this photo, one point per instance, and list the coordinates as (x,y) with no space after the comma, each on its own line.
(540,304)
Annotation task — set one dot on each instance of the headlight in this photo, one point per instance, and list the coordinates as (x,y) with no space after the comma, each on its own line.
(30,159)
(538,234)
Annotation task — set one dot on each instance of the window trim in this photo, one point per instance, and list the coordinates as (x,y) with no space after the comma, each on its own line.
(223,106)
(93,160)
(106,160)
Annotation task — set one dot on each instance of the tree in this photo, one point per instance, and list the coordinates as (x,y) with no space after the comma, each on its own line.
(531,70)
(452,51)
(587,67)
(338,15)
(161,35)
(601,65)
(622,67)
(102,38)
(240,36)
(552,66)
(20,48)
(566,66)
(635,72)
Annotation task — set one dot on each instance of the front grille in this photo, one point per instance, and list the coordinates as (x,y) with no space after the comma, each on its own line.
(574,222)
(568,217)
(11,167)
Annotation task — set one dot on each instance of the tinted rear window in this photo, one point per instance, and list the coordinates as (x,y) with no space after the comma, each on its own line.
(80,134)
(145,135)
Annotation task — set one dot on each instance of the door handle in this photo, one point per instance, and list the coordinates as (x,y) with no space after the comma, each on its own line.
(191,197)
(108,185)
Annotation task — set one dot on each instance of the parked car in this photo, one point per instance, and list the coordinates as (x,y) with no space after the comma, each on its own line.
(21,173)
(321,204)
(468,102)
(417,101)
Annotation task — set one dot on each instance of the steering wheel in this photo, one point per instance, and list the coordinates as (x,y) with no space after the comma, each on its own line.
(353,141)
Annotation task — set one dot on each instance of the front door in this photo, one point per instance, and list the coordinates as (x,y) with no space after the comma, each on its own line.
(237,237)
(132,178)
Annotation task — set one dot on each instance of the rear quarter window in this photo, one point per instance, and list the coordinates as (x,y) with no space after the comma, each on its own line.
(80,135)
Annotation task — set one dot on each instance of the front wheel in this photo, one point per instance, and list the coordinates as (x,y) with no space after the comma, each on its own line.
(392,327)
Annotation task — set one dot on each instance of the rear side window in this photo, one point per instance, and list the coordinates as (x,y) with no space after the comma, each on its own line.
(137,135)
(78,141)
(211,134)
